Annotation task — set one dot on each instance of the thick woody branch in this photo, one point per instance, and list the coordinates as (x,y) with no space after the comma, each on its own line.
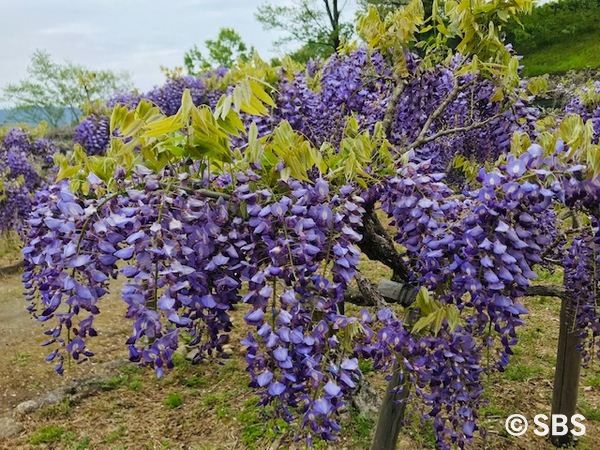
(546,291)
(378,246)
(14,268)
(560,238)
(392,106)
(397,293)
(369,291)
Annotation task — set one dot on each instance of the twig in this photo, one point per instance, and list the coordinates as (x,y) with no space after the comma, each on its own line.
(439,110)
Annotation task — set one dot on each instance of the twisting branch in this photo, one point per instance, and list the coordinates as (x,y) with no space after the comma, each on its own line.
(392,106)
(424,140)
(203,192)
(440,109)
(369,291)
(558,240)
(379,246)
(377,243)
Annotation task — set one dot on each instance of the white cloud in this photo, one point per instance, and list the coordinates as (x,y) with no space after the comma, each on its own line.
(137,36)
(85,29)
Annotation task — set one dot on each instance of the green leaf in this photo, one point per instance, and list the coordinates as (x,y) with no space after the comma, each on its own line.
(424,322)
(261,94)
(67,172)
(162,127)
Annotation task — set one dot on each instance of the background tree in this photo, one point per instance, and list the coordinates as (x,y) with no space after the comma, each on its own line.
(383,6)
(223,51)
(56,93)
(318,25)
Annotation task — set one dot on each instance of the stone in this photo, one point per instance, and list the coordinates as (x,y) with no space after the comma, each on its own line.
(51,398)
(10,427)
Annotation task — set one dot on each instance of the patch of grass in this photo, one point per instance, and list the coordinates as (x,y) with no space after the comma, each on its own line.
(590,412)
(365,366)
(82,445)
(211,400)
(229,369)
(361,430)
(181,362)
(115,435)
(195,381)
(422,432)
(256,431)
(61,409)
(223,411)
(135,384)
(10,245)
(132,369)
(518,372)
(173,400)
(112,382)
(20,358)
(492,410)
(50,434)
(594,381)
(555,277)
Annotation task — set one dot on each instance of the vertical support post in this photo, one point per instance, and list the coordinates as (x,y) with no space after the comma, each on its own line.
(566,377)
(392,411)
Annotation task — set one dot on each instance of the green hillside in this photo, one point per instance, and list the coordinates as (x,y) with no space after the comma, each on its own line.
(558,36)
(576,53)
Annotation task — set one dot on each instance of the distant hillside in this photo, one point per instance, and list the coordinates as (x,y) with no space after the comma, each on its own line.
(5,118)
(558,36)
(4,113)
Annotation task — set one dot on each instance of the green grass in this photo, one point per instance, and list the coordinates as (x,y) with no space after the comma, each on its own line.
(50,434)
(594,381)
(256,431)
(60,409)
(113,382)
(361,428)
(114,436)
(422,432)
(173,400)
(195,381)
(520,372)
(571,53)
(211,400)
(589,412)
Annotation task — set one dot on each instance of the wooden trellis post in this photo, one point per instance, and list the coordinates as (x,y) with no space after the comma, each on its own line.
(568,364)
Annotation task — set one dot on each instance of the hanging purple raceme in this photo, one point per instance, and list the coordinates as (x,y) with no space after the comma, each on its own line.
(168,96)
(306,242)
(93,134)
(21,159)
(582,282)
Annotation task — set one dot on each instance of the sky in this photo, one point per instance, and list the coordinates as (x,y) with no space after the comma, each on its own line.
(137,36)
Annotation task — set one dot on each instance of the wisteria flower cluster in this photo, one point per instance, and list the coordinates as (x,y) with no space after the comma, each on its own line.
(22,159)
